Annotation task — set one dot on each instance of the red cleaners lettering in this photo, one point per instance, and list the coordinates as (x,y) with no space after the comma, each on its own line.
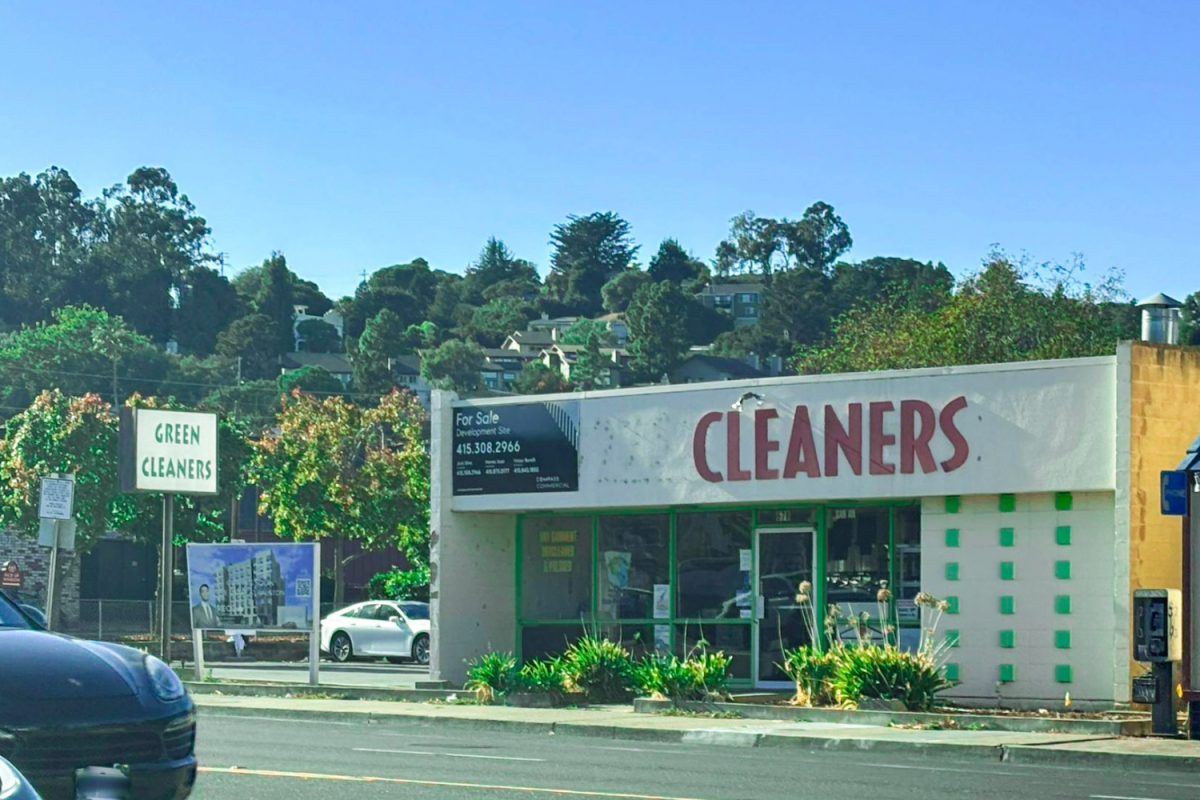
(854,439)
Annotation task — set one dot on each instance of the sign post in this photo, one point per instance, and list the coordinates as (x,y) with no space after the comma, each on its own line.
(170,452)
(56,506)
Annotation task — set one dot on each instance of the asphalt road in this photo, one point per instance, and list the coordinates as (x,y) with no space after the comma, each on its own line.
(370,674)
(272,759)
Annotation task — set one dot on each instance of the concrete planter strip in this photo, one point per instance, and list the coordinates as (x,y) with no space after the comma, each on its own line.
(880,718)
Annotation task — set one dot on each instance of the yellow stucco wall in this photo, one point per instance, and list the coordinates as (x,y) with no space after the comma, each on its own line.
(1164,420)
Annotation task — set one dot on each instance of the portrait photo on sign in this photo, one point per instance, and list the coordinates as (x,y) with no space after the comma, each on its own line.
(251,586)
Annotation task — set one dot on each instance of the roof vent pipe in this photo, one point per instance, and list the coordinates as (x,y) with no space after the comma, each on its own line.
(1161,318)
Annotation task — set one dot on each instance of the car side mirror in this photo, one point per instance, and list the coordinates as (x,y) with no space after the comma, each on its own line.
(396,620)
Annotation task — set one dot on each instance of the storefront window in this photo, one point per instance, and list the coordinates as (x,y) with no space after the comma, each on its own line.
(734,640)
(714,559)
(547,641)
(856,559)
(556,568)
(635,566)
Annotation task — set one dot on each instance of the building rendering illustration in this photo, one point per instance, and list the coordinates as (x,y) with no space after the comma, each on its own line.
(1023,495)
(250,592)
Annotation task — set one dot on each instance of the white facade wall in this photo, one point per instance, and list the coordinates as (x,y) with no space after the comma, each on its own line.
(1058,633)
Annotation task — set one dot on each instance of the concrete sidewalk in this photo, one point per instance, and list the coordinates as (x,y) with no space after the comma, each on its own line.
(621,722)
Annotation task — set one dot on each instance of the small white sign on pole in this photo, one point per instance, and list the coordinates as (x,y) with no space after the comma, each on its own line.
(58,497)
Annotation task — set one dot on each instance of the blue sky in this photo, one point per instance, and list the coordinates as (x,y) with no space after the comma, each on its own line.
(352,136)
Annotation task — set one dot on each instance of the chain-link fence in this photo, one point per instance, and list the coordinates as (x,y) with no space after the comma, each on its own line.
(124,620)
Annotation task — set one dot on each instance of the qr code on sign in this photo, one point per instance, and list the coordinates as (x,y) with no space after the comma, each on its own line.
(304,587)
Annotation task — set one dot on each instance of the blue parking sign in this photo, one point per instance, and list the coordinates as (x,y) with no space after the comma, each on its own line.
(1175,493)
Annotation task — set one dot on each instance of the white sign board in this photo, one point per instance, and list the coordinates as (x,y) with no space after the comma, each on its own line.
(58,498)
(175,451)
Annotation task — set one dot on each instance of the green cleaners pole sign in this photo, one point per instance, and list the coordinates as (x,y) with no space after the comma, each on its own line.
(174,452)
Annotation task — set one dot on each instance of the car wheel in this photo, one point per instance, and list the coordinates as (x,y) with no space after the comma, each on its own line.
(340,647)
(420,651)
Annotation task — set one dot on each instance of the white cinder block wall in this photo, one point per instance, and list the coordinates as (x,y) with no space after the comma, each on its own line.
(1030,578)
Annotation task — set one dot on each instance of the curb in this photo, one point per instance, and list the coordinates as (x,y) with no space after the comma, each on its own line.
(288,690)
(719,737)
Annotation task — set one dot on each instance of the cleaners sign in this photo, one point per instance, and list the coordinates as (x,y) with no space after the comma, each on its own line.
(168,451)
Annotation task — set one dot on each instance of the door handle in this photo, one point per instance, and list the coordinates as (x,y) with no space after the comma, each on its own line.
(762,607)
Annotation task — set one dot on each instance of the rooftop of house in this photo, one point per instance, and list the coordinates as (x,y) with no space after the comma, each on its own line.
(730,366)
(734,288)
(335,363)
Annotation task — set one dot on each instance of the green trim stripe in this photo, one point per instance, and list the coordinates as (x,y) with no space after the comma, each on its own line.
(1008,571)
(1008,537)
(1008,639)
(953,504)
(952,672)
(1063,501)
(1062,570)
(1062,604)
(1063,673)
(1062,640)
(953,638)
(952,570)
(1008,673)
(1008,604)
(952,604)
(1062,535)
(1008,503)
(953,537)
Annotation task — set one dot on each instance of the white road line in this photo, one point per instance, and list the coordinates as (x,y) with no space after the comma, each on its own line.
(640,749)
(291,721)
(1120,797)
(939,769)
(448,755)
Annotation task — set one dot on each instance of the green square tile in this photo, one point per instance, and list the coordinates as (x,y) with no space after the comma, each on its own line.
(1062,570)
(1008,503)
(1062,604)
(952,638)
(953,504)
(1008,571)
(1008,537)
(1008,639)
(1008,604)
(1063,501)
(1062,535)
(952,570)
(952,605)
(1062,640)
(1062,673)
(952,672)
(1008,673)
(952,537)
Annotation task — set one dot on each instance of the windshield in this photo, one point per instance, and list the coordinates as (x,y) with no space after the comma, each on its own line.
(415,610)
(10,615)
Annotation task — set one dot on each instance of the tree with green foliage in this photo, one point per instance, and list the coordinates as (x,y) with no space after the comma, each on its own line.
(249,285)
(999,315)
(618,293)
(80,350)
(537,378)
(455,365)
(1190,334)
(152,239)
(673,263)
(657,330)
(207,304)
(254,404)
(277,302)
(494,322)
(704,324)
(409,290)
(310,379)
(588,252)
(318,336)
(818,239)
(497,266)
(338,471)
(383,340)
(253,340)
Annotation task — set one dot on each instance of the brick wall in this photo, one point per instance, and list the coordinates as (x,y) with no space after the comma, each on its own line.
(34,561)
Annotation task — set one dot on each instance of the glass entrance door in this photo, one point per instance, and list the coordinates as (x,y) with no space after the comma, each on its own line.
(785,560)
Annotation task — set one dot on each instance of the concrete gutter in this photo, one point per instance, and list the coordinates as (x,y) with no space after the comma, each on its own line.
(302,690)
(623,723)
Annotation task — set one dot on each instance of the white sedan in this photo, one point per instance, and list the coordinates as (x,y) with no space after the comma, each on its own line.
(394,629)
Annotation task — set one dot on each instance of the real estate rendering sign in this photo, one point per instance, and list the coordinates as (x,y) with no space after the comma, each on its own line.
(168,451)
(253,586)
(516,448)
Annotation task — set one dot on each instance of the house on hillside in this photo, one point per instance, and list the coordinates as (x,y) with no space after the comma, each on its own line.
(336,364)
(301,315)
(742,301)
(703,368)
(563,358)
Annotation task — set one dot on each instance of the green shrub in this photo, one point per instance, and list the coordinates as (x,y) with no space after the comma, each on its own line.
(813,672)
(696,677)
(400,584)
(493,675)
(601,669)
(886,673)
(546,677)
